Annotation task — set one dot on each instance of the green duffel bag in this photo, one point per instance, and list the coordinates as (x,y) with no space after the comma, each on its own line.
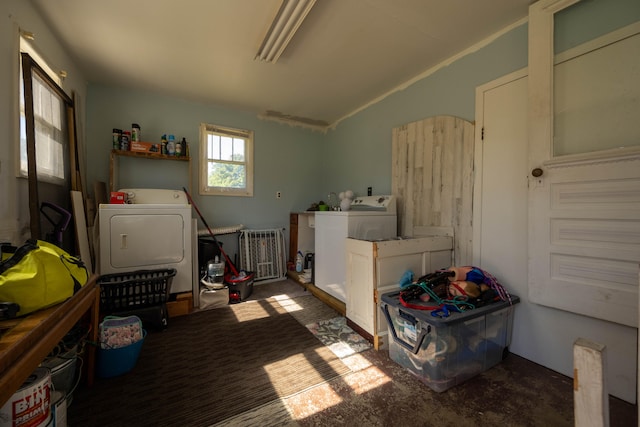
(40,274)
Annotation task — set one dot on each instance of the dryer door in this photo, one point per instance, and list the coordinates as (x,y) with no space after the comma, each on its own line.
(146,240)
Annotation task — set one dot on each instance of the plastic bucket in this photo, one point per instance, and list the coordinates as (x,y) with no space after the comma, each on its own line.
(30,406)
(117,361)
(242,286)
(63,376)
(58,409)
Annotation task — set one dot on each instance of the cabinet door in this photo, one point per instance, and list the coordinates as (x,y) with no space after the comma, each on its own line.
(360,284)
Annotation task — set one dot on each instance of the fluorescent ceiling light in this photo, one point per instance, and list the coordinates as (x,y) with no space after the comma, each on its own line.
(284,26)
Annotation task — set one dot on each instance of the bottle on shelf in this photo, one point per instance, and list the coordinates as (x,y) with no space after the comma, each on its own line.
(185,151)
(117,136)
(179,148)
(299,262)
(163,145)
(171,146)
(135,132)
(125,139)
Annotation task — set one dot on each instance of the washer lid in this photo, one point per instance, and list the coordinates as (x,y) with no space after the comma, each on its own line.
(155,196)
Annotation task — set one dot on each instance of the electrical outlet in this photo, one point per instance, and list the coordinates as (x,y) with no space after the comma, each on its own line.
(278,194)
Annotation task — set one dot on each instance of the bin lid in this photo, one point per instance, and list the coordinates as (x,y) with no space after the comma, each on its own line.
(393,299)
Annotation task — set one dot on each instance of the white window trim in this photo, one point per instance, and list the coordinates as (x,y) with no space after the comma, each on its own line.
(203,186)
(27,47)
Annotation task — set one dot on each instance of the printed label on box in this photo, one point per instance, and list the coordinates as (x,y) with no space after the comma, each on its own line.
(118,198)
(145,147)
(410,332)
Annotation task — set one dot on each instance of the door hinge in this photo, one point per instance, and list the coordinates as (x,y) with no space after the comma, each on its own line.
(482,134)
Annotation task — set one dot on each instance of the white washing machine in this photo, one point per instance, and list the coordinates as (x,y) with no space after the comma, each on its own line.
(154,230)
(370,218)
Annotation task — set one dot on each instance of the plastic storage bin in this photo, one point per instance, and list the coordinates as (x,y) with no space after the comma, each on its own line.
(136,289)
(444,352)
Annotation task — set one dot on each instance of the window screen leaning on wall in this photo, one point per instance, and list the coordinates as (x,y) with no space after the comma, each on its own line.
(49,115)
(226,161)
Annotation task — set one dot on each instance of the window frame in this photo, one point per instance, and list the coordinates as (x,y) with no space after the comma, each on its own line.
(29,68)
(542,60)
(248,136)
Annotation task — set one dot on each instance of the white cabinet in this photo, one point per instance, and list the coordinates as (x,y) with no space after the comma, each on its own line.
(375,268)
(331,231)
(301,234)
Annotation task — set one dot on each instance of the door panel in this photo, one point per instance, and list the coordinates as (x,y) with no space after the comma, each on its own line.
(145,241)
(501,246)
(585,238)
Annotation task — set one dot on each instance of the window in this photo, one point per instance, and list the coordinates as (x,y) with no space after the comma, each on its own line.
(46,116)
(46,133)
(226,161)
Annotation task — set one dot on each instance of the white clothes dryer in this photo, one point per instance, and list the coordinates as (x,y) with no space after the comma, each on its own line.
(154,230)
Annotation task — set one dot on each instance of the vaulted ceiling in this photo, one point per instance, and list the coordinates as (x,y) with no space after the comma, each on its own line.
(345,54)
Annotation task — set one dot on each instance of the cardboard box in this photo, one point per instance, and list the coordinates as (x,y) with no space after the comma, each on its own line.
(145,147)
(118,198)
(443,352)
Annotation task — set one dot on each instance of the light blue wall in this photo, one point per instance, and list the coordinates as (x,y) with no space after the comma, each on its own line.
(284,156)
(359,150)
(305,166)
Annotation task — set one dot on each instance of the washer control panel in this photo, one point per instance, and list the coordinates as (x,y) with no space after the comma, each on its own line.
(385,203)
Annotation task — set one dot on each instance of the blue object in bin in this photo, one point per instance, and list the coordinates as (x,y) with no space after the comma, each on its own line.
(113,362)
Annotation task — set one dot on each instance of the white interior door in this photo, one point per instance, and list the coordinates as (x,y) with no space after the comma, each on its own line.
(584,157)
(541,334)
(501,168)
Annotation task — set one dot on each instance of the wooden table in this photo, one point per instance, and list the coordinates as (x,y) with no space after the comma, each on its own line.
(28,340)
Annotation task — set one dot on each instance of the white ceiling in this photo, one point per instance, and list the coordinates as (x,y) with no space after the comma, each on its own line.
(346,54)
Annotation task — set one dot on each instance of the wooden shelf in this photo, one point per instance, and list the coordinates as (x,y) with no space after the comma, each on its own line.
(28,340)
(145,155)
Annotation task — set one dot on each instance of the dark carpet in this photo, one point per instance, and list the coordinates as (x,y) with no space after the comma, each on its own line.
(209,366)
